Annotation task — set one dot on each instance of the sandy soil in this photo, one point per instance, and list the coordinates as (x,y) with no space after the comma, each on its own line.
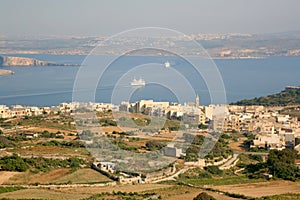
(262,189)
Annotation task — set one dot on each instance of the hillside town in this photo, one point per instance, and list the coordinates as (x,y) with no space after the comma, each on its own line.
(272,129)
(56,134)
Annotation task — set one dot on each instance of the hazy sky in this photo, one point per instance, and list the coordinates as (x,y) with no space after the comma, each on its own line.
(105,17)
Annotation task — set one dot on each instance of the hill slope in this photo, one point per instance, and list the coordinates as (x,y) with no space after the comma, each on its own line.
(289,96)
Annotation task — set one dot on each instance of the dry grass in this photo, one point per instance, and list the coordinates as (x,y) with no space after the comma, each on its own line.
(42,178)
(166,191)
(169,192)
(5,176)
(42,194)
(57,176)
(262,189)
(20,178)
(83,176)
(110,129)
(51,151)
(122,188)
(183,192)
(78,192)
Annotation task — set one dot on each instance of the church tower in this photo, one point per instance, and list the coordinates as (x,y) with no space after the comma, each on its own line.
(197,102)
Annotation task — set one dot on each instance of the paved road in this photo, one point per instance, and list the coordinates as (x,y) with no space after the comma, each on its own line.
(230,161)
(252,153)
(174,176)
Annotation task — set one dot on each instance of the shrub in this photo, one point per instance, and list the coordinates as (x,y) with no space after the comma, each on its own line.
(153,145)
(204,196)
(213,169)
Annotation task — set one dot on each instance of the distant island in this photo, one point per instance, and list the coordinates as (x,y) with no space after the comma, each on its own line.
(289,96)
(26,62)
(220,46)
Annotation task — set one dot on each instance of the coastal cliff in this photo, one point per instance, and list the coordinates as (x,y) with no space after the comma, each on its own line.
(22,61)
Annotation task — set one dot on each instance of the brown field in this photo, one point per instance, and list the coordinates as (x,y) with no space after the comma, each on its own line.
(168,192)
(77,192)
(51,130)
(5,176)
(165,136)
(262,189)
(56,176)
(42,178)
(236,146)
(110,129)
(42,194)
(123,188)
(83,176)
(186,193)
(193,194)
(51,151)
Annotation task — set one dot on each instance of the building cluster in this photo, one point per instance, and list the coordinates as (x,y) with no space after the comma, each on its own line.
(272,130)
(22,111)
(190,112)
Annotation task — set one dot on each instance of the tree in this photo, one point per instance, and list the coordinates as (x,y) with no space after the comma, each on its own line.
(204,196)
(282,164)
(13,163)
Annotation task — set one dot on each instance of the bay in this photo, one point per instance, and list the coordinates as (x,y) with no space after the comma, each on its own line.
(51,85)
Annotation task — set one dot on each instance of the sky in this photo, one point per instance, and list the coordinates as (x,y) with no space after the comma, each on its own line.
(107,17)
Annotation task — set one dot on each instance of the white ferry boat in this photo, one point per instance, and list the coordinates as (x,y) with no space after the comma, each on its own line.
(138,82)
(167,64)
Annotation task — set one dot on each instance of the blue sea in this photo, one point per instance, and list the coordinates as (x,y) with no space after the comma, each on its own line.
(51,85)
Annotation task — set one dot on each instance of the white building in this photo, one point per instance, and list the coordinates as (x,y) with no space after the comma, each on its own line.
(269,141)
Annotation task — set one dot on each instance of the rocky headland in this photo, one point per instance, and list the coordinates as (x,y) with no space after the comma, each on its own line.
(22,61)
(4,72)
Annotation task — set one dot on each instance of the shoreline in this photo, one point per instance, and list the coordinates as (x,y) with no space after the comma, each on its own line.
(211,57)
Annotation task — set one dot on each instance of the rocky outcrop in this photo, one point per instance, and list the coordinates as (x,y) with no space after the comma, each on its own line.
(22,61)
(5,72)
